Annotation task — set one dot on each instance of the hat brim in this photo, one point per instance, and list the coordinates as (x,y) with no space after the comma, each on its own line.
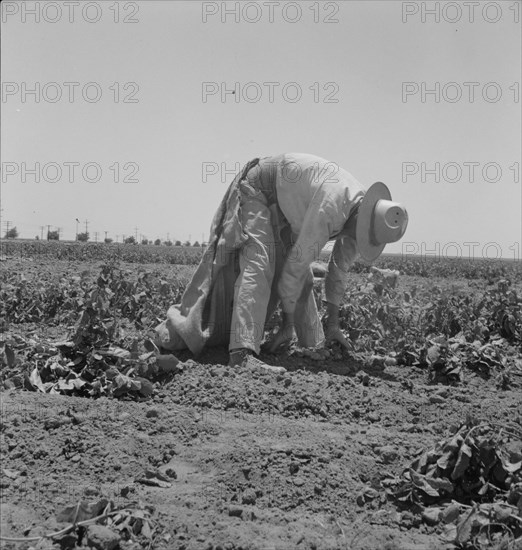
(367,249)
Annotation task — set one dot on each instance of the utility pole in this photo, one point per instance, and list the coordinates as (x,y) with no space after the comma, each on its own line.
(48,230)
(86,225)
(77,222)
(7,224)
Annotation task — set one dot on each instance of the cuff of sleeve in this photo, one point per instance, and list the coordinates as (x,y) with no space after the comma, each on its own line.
(334,286)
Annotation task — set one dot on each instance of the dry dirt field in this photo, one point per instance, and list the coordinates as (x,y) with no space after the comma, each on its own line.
(410,441)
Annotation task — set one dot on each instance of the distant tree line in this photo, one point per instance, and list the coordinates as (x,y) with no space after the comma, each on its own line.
(84,237)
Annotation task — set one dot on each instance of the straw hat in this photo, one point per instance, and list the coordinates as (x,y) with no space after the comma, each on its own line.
(380,221)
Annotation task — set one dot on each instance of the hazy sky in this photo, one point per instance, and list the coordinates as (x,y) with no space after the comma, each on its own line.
(161,120)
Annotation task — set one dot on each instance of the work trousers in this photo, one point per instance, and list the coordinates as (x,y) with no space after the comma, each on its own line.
(261,260)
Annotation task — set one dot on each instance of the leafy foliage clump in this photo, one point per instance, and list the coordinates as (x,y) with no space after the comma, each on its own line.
(471,483)
(107,321)
(443,330)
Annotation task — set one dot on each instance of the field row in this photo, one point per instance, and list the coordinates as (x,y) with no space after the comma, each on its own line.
(423,266)
(446,327)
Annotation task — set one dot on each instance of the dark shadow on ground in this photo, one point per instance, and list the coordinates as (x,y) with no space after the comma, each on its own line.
(347,366)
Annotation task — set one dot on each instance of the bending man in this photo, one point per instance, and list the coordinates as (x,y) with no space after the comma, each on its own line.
(275,219)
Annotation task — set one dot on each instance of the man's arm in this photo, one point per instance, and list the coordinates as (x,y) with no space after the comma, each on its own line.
(342,257)
(315,232)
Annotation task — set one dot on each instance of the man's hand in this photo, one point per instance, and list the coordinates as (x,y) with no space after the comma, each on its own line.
(334,334)
(284,336)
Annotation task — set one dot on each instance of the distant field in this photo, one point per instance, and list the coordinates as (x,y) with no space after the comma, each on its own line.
(132,253)
(423,266)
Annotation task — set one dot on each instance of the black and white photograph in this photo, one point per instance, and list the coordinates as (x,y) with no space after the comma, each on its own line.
(260,275)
